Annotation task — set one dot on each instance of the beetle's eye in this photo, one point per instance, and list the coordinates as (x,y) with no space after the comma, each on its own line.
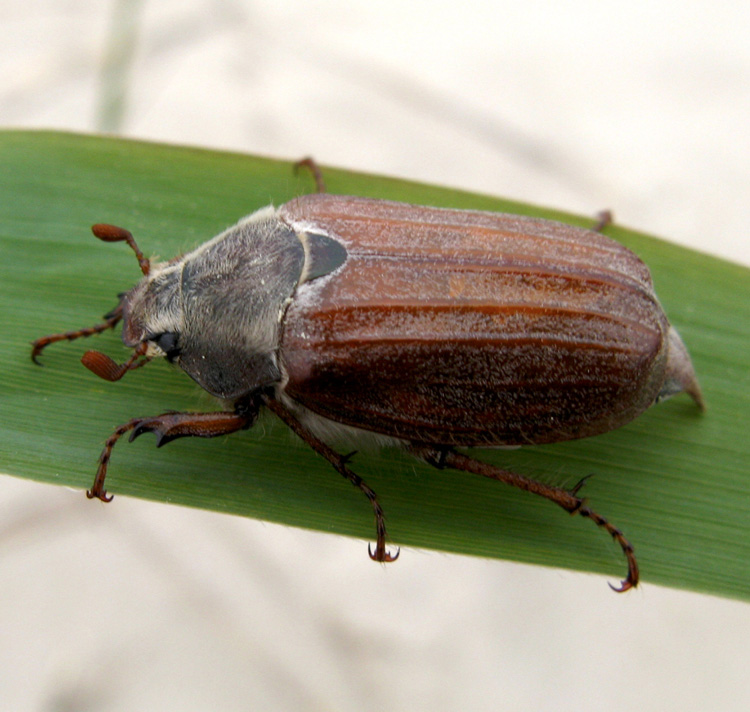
(167,342)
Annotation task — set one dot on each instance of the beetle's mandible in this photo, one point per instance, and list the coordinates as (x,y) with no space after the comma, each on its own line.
(431,328)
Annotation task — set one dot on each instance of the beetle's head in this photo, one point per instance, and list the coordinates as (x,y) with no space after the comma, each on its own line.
(150,313)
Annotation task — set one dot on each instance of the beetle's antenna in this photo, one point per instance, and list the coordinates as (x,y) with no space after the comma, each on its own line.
(106,233)
(111,320)
(112,233)
(104,367)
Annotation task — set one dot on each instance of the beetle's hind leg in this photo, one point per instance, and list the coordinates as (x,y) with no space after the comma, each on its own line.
(447,457)
(339,463)
(604,218)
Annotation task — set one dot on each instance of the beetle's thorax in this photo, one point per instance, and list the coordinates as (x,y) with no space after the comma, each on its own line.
(223,301)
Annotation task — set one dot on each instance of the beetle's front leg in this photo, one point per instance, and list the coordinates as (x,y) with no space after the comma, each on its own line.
(442,456)
(110,322)
(168,427)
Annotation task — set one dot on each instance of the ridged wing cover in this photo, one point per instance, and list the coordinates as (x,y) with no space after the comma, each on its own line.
(470,328)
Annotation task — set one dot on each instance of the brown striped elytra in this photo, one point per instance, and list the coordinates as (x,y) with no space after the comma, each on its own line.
(458,327)
(429,328)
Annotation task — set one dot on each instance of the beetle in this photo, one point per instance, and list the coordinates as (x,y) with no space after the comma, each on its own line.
(430,328)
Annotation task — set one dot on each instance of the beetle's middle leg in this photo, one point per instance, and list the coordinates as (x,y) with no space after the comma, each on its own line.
(339,463)
(317,174)
(447,457)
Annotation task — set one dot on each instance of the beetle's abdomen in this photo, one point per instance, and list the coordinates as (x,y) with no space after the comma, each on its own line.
(463,327)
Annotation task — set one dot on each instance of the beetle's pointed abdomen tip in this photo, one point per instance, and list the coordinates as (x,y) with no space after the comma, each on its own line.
(680,374)
(694,391)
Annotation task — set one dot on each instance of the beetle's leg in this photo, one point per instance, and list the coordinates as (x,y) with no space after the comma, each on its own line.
(111,320)
(604,218)
(448,457)
(168,427)
(317,174)
(98,490)
(339,463)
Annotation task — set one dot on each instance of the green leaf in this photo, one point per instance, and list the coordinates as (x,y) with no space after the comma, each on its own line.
(674,481)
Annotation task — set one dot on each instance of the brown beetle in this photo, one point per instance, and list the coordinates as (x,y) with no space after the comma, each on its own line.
(428,327)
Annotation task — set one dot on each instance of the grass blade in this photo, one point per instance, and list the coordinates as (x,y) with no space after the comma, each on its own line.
(675,482)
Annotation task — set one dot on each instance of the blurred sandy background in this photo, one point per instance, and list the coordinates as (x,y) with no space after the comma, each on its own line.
(643,107)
